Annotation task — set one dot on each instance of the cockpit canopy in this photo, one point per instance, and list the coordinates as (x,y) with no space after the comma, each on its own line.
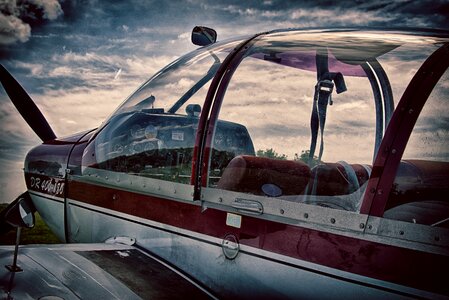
(301,113)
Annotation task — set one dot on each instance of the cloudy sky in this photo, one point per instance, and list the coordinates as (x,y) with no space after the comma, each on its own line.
(80,59)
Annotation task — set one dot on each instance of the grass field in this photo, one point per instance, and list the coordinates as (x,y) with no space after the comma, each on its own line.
(40,234)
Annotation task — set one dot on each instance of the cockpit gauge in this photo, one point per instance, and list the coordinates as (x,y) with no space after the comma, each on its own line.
(137,131)
(150,132)
(118,149)
(219,139)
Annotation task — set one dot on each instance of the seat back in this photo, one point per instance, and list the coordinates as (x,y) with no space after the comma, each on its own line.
(420,180)
(419,193)
(332,179)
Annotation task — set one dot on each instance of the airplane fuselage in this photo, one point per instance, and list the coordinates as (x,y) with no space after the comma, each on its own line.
(216,193)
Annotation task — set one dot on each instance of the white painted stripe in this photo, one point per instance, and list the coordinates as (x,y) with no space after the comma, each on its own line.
(43,195)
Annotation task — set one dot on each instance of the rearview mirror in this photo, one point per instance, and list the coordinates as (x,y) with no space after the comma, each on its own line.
(21,214)
(203,36)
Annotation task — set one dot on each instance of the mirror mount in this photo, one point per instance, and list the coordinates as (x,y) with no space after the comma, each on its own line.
(14,268)
(203,36)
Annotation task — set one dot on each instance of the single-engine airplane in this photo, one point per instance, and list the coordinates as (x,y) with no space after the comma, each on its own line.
(287,164)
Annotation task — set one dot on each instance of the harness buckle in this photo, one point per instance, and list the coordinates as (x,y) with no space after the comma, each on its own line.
(325,86)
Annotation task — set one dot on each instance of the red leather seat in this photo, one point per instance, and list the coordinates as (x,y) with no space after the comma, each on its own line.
(249,174)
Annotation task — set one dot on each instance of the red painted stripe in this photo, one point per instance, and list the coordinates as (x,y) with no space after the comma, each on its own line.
(385,262)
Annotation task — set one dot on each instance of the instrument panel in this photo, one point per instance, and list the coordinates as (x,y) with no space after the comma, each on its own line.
(161,145)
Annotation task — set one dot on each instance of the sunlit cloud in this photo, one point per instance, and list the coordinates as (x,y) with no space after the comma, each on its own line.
(88,107)
(316,16)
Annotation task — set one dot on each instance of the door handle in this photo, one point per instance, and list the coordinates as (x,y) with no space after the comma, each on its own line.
(248,206)
(230,246)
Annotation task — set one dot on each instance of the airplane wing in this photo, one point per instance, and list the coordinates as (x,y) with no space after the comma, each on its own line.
(91,271)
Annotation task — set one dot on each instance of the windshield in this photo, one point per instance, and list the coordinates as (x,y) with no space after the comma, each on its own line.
(152,133)
(175,85)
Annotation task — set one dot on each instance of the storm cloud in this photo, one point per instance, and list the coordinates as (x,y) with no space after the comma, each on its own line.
(18,17)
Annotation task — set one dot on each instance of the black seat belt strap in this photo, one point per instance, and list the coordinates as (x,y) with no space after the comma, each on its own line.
(321,99)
